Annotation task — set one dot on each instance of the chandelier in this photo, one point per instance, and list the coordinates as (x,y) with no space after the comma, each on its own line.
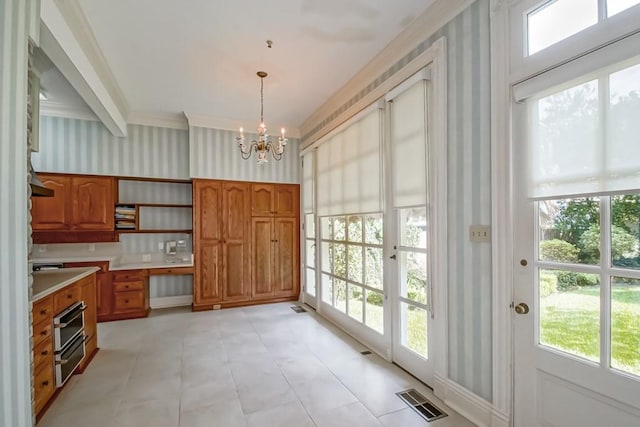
(263,145)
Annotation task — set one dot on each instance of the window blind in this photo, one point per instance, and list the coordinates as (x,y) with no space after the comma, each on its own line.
(349,168)
(408,123)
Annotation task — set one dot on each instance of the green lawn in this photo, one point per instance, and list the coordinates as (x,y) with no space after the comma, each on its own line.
(570,322)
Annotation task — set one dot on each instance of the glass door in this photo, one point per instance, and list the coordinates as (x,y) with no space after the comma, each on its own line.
(309,269)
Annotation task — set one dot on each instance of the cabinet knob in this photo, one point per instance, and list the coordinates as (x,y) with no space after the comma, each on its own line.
(43,311)
(44,333)
(69,296)
(126,301)
(45,383)
(44,353)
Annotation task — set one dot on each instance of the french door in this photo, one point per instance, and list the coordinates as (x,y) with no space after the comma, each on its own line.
(577,253)
(309,264)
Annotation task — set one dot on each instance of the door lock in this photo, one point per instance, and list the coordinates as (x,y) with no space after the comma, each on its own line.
(521,308)
(393,256)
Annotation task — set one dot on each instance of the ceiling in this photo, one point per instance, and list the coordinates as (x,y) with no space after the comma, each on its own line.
(201,56)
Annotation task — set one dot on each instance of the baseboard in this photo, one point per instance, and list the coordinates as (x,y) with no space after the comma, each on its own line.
(166,302)
(468,404)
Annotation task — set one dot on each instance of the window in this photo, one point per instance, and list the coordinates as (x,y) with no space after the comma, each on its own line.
(555,20)
(310,253)
(352,272)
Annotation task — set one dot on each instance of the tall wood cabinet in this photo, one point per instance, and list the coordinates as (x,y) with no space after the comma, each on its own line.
(245,243)
(81,209)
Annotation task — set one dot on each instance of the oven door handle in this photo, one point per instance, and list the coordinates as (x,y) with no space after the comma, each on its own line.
(64,325)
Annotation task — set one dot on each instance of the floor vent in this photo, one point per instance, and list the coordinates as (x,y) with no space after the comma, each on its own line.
(421,405)
(366,352)
(298,309)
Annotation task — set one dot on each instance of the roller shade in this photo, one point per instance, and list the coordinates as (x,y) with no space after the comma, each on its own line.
(307,182)
(409,145)
(349,168)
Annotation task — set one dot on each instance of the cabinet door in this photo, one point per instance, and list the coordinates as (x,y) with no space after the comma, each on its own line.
(207,208)
(52,213)
(236,281)
(262,199)
(88,292)
(104,295)
(207,273)
(93,203)
(262,254)
(286,200)
(285,262)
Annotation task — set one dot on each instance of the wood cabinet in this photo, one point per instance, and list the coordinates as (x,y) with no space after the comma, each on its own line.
(81,209)
(275,200)
(103,286)
(275,258)
(239,254)
(130,294)
(43,312)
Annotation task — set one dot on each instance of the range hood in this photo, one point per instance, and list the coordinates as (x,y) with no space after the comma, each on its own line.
(37,187)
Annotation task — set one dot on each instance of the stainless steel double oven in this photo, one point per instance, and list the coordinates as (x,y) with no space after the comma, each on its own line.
(68,341)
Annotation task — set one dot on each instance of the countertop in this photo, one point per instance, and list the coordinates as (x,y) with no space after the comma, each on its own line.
(47,282)
(145,265)
(117,263)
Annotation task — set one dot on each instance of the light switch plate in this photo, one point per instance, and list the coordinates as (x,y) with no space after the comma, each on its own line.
(480,233)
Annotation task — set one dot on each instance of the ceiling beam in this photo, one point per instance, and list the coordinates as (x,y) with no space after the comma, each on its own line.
(58,41)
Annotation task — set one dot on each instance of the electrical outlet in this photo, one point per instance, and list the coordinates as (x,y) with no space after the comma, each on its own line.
(92,247)
(480,233)
(42,248)
(146,257)
(161,246)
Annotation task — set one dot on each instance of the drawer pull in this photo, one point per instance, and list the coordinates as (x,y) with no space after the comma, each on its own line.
(44,333)
(44,353)
(126,301)
(45,383)
(43,311)
(69,296)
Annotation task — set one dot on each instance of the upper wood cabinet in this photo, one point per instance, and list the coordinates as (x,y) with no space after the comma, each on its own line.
(275,200)
(79,203)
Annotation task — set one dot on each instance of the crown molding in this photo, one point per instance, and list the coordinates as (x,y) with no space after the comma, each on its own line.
(212,122)
(56,109)
(163,120)
(435,17)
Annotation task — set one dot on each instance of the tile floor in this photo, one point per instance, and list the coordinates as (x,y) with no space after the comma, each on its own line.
(257,366)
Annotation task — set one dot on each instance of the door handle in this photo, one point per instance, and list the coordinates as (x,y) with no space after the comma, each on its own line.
(393,256)
(521,308)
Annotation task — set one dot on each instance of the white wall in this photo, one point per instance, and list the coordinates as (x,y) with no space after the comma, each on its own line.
(15,277)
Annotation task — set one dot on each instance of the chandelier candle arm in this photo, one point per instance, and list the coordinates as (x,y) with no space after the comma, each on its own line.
(263,144)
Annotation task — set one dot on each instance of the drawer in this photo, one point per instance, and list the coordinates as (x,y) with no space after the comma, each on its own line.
(64,298)
(43,310)
(128,275)
(44,386)
(43,352)
(128,286)
(42,331)
(128,301)
(174,270)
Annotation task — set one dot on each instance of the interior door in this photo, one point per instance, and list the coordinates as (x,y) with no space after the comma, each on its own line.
(575,322)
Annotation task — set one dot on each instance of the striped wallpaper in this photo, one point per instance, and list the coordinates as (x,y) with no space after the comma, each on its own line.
(215,155)
(469,176)
(84,146)
(469,188)
(15,277)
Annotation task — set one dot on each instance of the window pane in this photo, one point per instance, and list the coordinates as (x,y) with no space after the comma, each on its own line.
(558,20)
(327,289)
(373,267)
(311,281)
(310,226)
(625,231)
(340,288)
(373,307)
(570,230)
(326,227)
(413,227)
(355,229)
(413,276)
(570,312)
(414,328)
(623,128)
(339,228)
(355,302)
(310,253)
(373,230)
(625,324)
(326,260)
(355,263)
(617,6)
(339,259)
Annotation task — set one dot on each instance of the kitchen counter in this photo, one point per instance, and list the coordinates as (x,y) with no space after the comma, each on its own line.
(47,282)
(149,265)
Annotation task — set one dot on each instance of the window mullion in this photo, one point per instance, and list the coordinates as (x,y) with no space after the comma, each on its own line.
(605,281)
